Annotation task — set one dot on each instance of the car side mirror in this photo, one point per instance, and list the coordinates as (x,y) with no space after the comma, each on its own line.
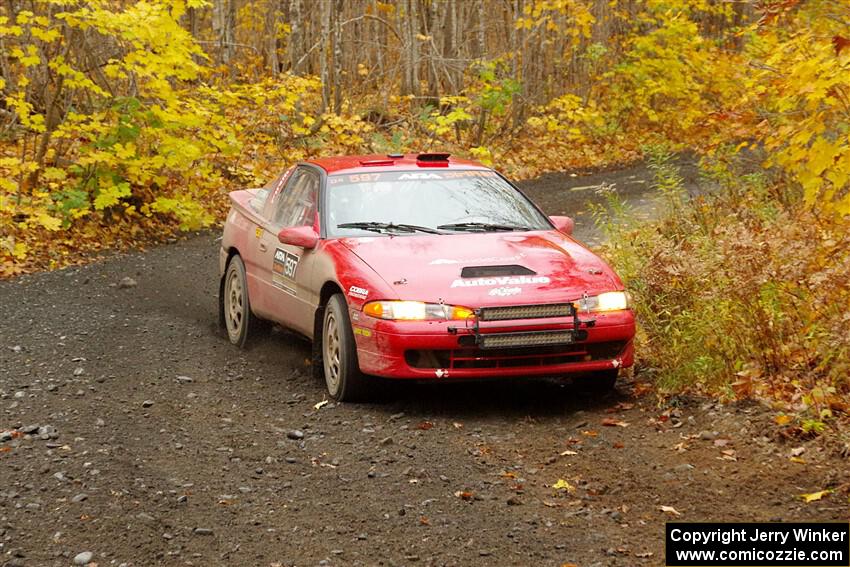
(303,236)
(564,224)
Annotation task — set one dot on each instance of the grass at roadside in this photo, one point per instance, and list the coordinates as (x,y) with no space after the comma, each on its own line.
(741,292)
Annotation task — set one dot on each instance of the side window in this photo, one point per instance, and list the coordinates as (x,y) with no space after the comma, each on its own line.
(296,205)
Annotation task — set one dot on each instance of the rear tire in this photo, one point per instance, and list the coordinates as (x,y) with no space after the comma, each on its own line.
(599,382)
(235,307)
(343,379)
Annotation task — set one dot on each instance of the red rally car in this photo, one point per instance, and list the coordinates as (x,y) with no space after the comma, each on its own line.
(420,267)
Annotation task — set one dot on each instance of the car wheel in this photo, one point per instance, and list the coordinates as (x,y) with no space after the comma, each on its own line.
(599,382)
(235,305)
(343,379)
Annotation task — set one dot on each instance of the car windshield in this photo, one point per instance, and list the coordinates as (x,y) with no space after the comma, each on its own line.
(421,202)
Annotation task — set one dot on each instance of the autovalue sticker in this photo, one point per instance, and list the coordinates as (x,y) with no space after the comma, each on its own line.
(283,270)
(358,292)
(500,281)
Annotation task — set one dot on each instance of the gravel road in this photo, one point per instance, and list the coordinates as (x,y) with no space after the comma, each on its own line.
(133,433)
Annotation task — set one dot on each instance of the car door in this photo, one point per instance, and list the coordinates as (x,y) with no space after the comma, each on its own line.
(286,270)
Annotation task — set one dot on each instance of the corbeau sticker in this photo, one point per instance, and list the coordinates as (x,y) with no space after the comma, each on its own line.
(502,280)
(280,182)
(283,270)
(358,292)
(441,261)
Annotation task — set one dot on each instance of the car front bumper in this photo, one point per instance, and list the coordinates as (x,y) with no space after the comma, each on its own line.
(432,350)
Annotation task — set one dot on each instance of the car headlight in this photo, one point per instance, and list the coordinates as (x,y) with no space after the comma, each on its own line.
(608,301)
(416,311)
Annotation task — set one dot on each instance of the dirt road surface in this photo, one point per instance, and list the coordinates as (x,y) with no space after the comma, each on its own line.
(133,433)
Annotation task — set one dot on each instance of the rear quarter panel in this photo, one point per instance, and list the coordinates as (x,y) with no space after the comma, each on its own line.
(240,235)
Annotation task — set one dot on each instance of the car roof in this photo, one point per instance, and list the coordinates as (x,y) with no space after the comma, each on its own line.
(392,162)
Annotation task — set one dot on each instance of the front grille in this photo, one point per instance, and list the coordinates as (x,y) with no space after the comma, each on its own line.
(526,312)
(513,340)
(528,357)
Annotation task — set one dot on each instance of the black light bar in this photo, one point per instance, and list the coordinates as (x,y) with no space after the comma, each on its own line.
(512,312)
(530,339)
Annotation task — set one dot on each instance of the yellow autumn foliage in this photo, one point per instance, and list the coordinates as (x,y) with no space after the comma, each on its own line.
(132,142)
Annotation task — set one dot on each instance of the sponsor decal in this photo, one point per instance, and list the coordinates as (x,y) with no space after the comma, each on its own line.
(408,176)
(441,373)
(281,182)
(283,270)
(364,177)
(362,332)
(446,261)
(501,281)
(358,292)
(258,232)
(468,173)
(404,176)
(505,291)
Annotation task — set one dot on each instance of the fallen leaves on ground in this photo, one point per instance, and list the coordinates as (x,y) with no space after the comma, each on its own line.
(814,496)
(564,485)
(611,422)
(670,510)
(783,419)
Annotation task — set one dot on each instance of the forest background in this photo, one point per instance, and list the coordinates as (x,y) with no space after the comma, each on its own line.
(123,123)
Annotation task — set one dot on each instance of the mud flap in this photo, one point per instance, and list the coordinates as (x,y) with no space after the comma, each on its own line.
(317,369)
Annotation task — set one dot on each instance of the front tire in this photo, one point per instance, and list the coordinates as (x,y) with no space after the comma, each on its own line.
(343,379)
(239,321)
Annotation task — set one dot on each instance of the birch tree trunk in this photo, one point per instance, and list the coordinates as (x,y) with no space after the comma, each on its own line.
(410,63)
(337,56)
(482,30)
(323,53)
(296,41)
(271,37)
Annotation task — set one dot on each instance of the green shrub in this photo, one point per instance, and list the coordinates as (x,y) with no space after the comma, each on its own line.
(740,292)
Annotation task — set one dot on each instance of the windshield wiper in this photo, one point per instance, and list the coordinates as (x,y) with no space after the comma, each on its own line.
(481,226)
(385,226)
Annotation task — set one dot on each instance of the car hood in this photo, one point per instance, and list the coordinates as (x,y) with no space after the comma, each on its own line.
(523,268)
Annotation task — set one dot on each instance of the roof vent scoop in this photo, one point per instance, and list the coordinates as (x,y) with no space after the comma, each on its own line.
(495,271)
(433,157)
